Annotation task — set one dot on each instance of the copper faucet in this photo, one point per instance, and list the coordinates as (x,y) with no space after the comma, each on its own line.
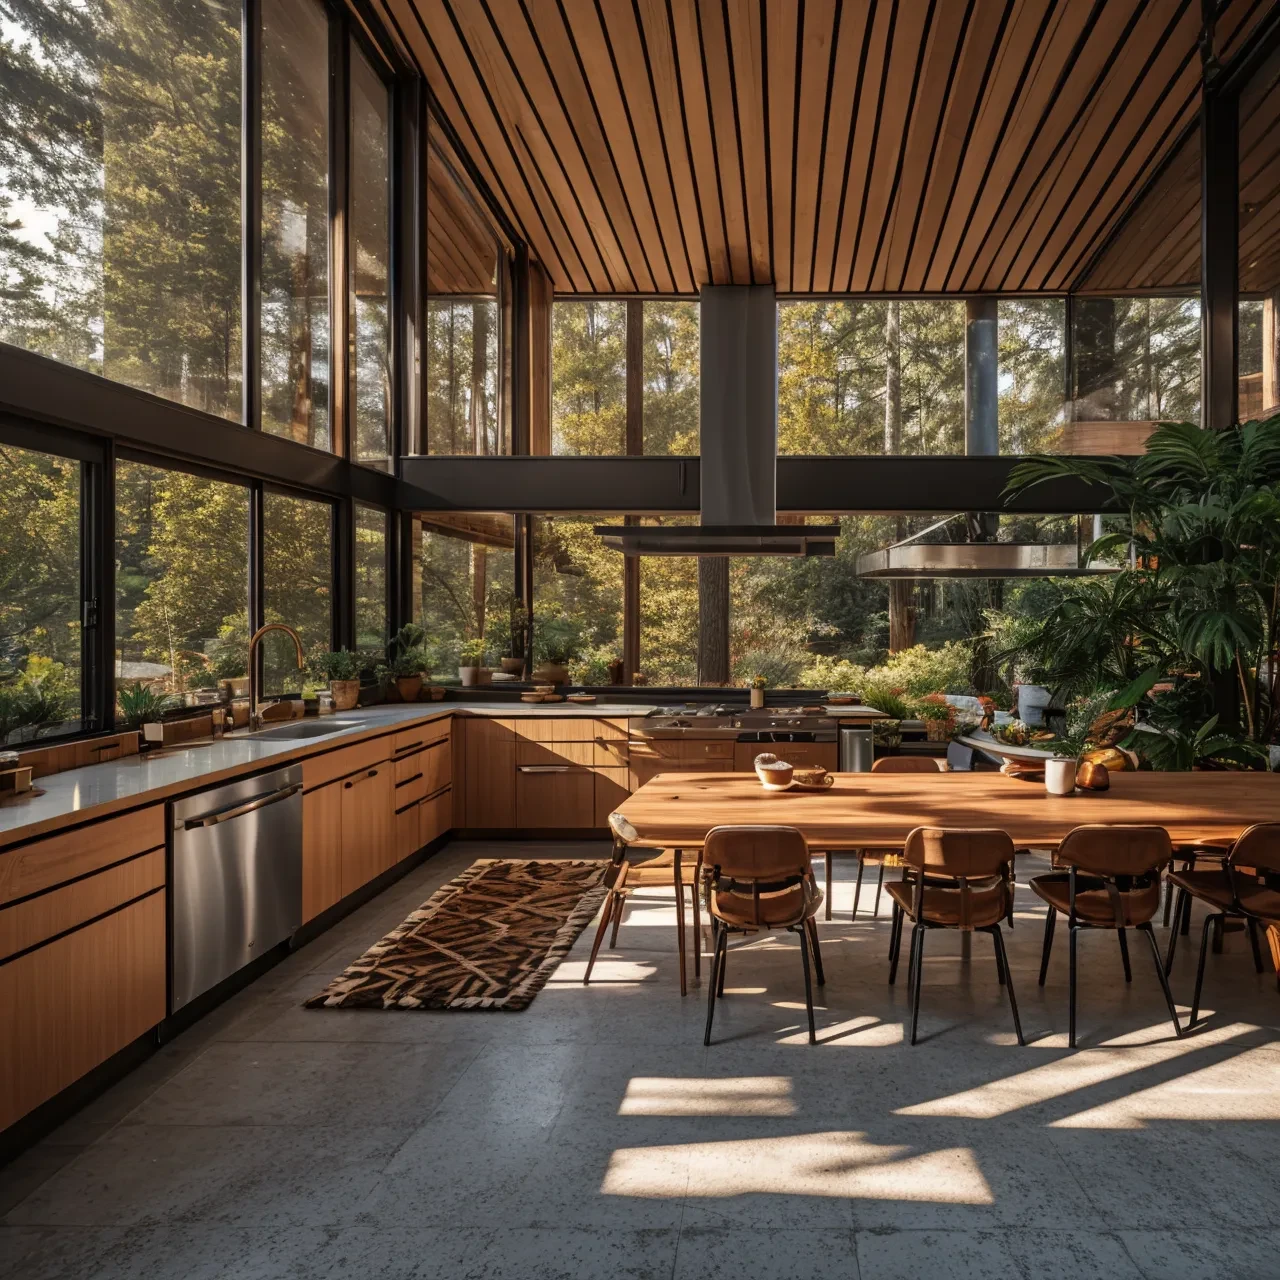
(255,714)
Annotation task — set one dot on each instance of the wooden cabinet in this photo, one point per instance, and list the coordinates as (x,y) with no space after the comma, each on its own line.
(435,817)
(489,774)
(651,756)
(611,792)
(800,754)
(321,849)
(555,796)
(67,1006)
(368,834)
(437,766)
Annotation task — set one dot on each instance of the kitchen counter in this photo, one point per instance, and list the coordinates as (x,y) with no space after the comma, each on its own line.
(97,790)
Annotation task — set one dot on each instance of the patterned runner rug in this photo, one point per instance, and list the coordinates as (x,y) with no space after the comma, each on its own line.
(488,939)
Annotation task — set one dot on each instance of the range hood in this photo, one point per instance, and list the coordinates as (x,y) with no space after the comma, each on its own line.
(738,429)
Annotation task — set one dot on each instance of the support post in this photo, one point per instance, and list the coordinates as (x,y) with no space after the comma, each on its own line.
(1219,242)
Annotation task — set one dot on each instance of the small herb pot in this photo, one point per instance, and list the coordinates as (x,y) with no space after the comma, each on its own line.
(346,693)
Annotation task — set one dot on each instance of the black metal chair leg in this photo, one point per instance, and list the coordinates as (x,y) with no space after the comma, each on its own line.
(857,888)
(1049,921)
(1124,955)
(875,911)
(826,906)
(1184,924)
(1204,947)
(812,925)
(1071,985)
(1002,959)
(1174,932)
(917,956)
(605,917)
(718,937)
(1164,981)
(808,985)
(895,942)
(1255,944)
(1000,967)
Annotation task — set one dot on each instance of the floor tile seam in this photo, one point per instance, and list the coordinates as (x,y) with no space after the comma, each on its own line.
(426,1120)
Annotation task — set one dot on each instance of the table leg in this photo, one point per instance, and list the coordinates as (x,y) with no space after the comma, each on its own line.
(827,904)
(679,886)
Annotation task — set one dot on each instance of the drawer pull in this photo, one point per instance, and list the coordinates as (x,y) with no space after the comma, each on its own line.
(351,782)
(406,782)
(550,768)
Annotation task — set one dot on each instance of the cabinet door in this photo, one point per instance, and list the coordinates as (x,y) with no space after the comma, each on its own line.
(435,817)
(611,793)
(558,796)
(437,766)
(368,835)
(321,849)
(489,776)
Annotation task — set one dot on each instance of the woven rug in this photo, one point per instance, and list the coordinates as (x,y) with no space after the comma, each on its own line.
(488,939)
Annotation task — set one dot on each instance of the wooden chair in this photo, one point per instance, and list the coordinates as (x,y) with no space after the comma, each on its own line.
(759,879)
(1111,881)
(960,878)
(886,764)
(1245,886)
(657,872)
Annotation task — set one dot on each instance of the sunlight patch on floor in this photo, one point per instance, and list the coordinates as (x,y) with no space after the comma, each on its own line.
(570,973)
(708,1096)
(833,1164)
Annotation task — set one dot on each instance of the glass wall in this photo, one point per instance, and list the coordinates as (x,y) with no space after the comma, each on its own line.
(1032,378)
(369,271)
(868,377)
(370,567)
(671,381)
(589,378)
(182,602)
(40,677)
(297,585)
(295,221)
(464,588)
(120,193)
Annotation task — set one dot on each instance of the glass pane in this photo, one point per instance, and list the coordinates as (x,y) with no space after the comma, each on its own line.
(465,346)
(182,601)
(39,595)
(1259,245)
(295,221)
(868,377)
(589,378)
(370,249)
(464,588)
(1032,373)
(297,585)
(371,579)
(1137,360)
(669,615)
(120,193)
(670,416)
(577,594)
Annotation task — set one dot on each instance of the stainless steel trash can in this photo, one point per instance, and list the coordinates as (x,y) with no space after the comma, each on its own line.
(855,748)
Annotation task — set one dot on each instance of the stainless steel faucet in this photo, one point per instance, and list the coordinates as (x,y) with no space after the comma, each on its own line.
(255,713)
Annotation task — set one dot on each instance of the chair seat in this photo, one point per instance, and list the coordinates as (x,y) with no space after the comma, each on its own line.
(988,903)
(1214,887)
(655,873)
(1094,904)
(777,910)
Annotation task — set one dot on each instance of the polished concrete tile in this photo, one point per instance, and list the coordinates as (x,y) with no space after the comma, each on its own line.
(595,1135)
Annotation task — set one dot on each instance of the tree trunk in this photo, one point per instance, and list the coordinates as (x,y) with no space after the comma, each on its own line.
(713,620)
(902,613)
(302,420)
(1095,358)
(479,375)
(479,576)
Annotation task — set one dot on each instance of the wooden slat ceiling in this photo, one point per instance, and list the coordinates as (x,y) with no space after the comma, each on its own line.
(1260,182)
(824,145)
(462,248)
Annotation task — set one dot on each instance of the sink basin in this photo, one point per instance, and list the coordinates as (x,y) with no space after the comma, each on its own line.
(306,728)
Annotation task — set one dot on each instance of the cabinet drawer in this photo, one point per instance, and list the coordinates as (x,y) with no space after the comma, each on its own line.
(435,817)
(437,766)
(44,863)
(423,735)
(560,797)
(337,764)
(800,754)
(667,749)
(407,840)
(612,790)
(554,753)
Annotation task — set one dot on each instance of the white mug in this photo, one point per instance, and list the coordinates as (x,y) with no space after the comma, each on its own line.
(1059,777)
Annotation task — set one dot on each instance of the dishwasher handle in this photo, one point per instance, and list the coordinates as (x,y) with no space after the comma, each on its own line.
(239,810)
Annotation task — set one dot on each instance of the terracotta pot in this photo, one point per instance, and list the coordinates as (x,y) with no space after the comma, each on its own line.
(551,673)
(346,693)
(408,687)
(469,676)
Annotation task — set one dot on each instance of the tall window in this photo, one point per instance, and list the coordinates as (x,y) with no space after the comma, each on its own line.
(1032,384)
(671,382)
(371,578)
(40,677)
(464,588)
(295,221)
(589,378)
(120,193)
(370,263)
(182,601)
(297,584)
(868,377)
(577,591)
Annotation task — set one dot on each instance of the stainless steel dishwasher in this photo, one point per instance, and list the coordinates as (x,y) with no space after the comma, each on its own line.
(856,747)
(236,883)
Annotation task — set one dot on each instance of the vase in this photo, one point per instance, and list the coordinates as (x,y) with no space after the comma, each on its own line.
(408,687)
(469,676)
(757,699)
(346,693)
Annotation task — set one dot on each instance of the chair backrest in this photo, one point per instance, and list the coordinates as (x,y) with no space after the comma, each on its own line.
(1258,847)
(907,764)
(1110,851)
(966,853)
(756,853)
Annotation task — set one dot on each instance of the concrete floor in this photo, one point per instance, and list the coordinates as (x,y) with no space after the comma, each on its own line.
(594,1136)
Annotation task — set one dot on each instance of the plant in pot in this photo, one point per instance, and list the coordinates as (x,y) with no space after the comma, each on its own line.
(140,704)
(938,716)
(558,642)
(471,661)
(342,669)
(406,660)
(757,685)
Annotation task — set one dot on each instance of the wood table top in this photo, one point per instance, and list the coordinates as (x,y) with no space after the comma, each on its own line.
(871,810)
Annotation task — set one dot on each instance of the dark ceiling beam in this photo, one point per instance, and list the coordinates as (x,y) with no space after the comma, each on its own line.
(642,486)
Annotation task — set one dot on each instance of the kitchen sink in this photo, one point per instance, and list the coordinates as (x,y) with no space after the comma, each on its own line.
(306,728)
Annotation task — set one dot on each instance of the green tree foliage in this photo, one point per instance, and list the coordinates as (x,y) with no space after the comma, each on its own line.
(589,382)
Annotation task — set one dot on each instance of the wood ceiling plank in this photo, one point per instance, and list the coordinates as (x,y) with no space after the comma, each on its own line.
(746,33)
(817,35)
(782,35)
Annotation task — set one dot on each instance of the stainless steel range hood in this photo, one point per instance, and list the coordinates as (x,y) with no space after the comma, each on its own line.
(738,429)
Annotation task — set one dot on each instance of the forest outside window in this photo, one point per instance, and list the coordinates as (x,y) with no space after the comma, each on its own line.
(297,585)
(120,239)
(370,579)
(40,594)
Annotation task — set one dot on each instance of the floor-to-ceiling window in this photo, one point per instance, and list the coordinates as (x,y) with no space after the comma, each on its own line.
(589,378)
(369,262)
(295,221)
(1032,373)
(297,585)
(120,184)
(370,574)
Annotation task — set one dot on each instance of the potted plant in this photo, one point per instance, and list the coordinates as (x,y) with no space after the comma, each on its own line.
(471,660)
(887,733)
(140,704)
(757,687)
(558,642)
(342,670)
(937,714)
(406,661)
